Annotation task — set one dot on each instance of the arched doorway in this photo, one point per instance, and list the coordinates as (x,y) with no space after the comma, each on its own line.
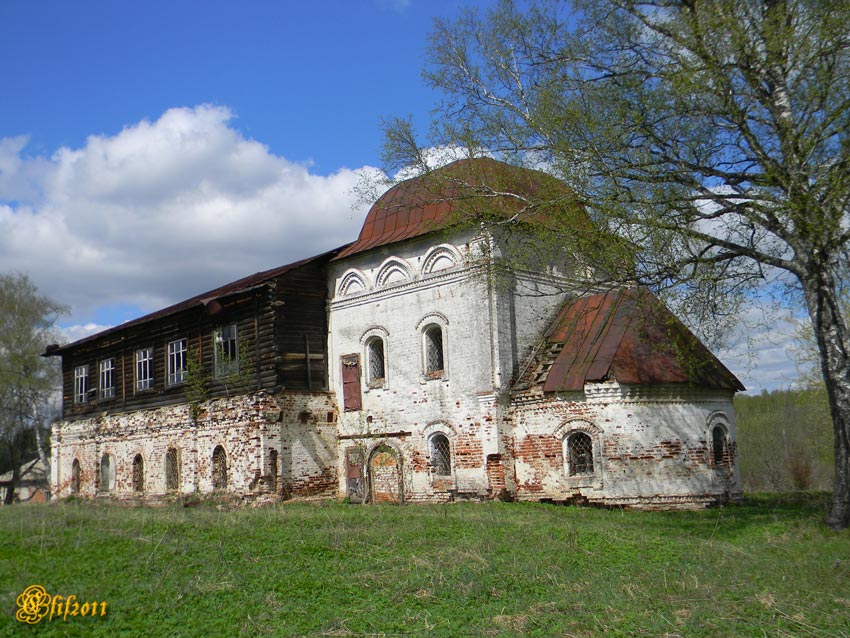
(385,481)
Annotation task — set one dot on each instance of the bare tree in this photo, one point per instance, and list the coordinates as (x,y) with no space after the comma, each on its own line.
(27,380)
(714,135)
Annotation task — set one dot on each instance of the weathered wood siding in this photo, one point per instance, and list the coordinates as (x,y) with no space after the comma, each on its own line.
(194,325)
(282,332)
(301,328)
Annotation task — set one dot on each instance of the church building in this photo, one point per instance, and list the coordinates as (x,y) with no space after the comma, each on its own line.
(416,364)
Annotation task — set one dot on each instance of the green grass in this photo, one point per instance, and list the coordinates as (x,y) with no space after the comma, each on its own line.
(767,568)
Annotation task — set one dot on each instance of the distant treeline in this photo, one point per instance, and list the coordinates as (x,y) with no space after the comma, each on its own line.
(785,440)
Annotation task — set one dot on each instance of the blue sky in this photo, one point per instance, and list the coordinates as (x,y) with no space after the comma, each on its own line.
(309,79)
(153,150)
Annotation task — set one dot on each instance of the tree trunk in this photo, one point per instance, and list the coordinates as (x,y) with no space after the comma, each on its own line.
(833,339)
(11,486)
(42,454)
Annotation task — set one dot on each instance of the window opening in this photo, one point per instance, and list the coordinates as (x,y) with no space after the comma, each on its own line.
(580,450)
(226,350)
(273,469)
(177,362)
(138,474)
(441,455)
(107,379)
(106,473)
(434,360)
(144,369)
(76,476)
(81,384)
(172,470)
(375,354)
(219,468)
(718,444)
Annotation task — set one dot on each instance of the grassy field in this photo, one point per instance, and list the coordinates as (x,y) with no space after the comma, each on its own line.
(767,568)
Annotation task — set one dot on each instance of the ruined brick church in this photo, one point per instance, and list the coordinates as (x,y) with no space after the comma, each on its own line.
(395,369)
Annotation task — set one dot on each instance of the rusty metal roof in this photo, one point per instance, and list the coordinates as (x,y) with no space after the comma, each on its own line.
(631,336)
(207,300)
(463,192)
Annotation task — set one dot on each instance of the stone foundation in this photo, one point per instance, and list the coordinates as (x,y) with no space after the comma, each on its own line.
(282,444)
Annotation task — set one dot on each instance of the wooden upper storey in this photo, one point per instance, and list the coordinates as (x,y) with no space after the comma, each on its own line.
(267,331)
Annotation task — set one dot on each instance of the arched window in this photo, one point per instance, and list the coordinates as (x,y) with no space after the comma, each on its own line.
(375,362)
(579,454)
(718,444)
(138,474)
(273,469)
(76,476)
(219,468)
(441,454)
(172,470)
(107,474)
(434,355)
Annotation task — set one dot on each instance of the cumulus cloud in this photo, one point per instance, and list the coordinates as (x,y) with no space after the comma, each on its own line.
(164,210)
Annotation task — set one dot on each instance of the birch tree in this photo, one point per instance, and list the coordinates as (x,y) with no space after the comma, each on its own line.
(714,136)
(27,380)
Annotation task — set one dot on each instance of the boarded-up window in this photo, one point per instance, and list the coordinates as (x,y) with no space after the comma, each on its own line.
(76,476)
(219,468)
(172,470)
(138,474)
(352,399)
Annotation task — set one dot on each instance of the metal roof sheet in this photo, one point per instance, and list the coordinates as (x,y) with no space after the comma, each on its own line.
(631,336)
(464,191)
(204,299)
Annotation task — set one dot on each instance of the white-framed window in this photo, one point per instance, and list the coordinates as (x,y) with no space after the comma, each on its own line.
(226,339)
(376,364)
(107,379)
(440,454)
(435,360)
(81,384)
(177,361)
(144,369)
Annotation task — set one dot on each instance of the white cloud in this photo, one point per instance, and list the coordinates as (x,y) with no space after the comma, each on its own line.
(163,210)
(81,331)
(762,353)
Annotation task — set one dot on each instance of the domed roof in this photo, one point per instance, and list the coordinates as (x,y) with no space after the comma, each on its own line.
(462,193)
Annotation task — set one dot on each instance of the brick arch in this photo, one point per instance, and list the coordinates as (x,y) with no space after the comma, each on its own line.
(352,282)
(441,258)
(384,469)
(393,271)
(573,424)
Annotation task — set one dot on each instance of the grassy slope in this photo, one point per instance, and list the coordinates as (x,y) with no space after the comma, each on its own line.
(764,569)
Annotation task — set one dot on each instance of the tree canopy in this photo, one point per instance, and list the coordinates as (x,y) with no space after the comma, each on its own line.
(27,380)
(713,135)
